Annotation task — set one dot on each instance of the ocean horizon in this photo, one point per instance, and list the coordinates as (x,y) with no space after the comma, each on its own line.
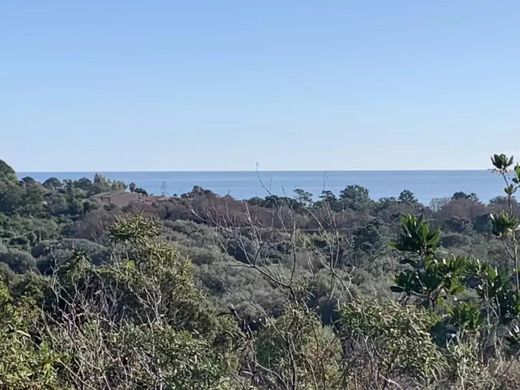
(425,184)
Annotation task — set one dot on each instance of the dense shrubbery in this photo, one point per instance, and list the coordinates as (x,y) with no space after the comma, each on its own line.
(206,292)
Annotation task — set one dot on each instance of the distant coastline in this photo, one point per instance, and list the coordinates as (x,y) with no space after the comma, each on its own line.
(425,184)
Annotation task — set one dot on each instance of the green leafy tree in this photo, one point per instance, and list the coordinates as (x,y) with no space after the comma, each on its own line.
(407,197)
(52,183)
(303,197)
(506,224)
(429,278)
(7,174)
(328,199)
(355,197)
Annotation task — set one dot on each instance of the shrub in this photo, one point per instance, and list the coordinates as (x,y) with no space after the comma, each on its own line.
(297,350)
(386,342)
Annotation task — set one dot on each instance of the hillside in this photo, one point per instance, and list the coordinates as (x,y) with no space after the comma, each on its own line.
(104,286)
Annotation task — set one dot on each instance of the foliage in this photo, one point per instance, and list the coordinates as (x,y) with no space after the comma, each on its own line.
(24,363)
(297,350)
(203,291)
(389,332)
(142,307)
(355,197)
(417,237)
(407,196)
(7,174)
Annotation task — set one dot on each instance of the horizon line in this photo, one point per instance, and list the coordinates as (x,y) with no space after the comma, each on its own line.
(255,171)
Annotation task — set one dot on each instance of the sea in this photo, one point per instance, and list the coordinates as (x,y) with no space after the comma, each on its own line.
(426,185)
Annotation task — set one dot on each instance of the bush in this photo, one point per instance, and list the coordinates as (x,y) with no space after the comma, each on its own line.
(386,342)
(18,261)
(296,349)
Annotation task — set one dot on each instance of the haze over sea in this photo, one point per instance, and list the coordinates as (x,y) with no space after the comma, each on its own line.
(426,185)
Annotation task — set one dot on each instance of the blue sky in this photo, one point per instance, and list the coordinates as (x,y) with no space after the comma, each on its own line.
(223,85)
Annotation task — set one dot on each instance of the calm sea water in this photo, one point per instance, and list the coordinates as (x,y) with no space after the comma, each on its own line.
(426,185)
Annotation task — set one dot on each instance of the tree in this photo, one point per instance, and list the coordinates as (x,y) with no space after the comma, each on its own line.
(100,184)
(52,183)
(141,191)
(32,200)
(7,174)
(117,185)
(429,278)
(18,261)
(408,197)
(506,224)
(355,197)
(11,197)
(83,184)
(303,197)
(462,195)
(328,199)
(27,180)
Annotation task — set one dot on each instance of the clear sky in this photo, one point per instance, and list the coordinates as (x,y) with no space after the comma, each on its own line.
(222,85)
